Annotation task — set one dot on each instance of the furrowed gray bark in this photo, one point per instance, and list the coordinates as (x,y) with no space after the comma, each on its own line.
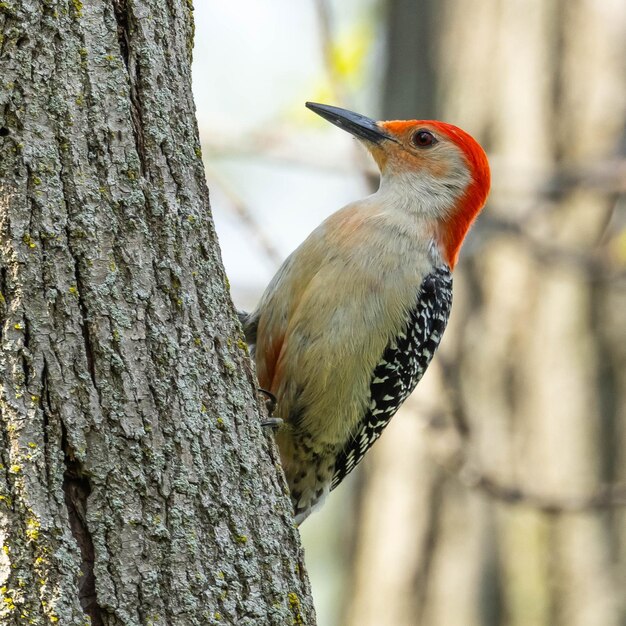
(136,485)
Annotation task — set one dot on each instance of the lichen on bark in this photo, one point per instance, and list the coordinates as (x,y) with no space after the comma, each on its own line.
(132,460)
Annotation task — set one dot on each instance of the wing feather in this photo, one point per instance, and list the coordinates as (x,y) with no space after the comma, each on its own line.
(401,367)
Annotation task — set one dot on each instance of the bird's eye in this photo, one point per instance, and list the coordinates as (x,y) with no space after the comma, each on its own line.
(424,139)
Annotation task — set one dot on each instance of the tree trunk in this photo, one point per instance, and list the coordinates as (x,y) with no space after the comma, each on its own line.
(136,485)
(533,363)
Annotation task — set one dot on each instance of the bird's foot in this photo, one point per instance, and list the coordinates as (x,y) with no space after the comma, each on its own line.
(270,404)
(272,422)
(270,400)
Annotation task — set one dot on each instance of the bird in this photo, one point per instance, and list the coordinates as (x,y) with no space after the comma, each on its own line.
(351,320)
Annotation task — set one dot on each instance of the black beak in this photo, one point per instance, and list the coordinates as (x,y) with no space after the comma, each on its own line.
(358,125)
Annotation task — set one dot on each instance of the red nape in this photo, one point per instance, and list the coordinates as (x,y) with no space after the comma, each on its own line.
(456,226)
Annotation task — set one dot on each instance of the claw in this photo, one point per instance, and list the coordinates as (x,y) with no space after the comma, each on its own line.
(272,422)
(270,405)
(270,400)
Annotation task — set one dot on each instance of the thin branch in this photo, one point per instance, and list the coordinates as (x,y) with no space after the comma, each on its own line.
(275,151)
(337,84)
(246,216)
(327,45)
(608,177)
(605,497)
(455,456)
(595,265)
(455,461)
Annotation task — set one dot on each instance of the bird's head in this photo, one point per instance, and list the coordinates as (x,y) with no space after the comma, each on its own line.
(436,168)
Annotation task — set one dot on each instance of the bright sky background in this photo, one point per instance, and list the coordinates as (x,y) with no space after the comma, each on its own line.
(255,65)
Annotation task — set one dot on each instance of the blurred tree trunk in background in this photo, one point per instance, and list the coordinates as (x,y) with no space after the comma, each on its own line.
(136,487)
(530,382)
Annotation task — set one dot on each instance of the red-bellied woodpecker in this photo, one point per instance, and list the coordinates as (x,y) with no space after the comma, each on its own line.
(349,324)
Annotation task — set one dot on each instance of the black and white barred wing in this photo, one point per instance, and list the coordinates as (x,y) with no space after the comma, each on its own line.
(401,367)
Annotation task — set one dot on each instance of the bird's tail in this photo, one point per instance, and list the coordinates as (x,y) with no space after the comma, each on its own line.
(249,323)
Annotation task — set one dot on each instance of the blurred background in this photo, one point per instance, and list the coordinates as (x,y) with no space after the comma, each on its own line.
(495,497)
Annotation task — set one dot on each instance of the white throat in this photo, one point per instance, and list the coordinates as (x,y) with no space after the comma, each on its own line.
(422,193)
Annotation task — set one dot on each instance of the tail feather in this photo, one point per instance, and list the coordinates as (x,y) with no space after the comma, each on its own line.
(249,323)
